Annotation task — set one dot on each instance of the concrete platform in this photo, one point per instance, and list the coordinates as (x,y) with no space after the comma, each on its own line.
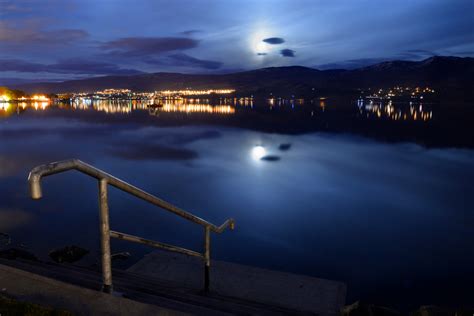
(298,292)
(170,296)
(34,288)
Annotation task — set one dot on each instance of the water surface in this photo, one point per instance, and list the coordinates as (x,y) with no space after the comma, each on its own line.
(391,219)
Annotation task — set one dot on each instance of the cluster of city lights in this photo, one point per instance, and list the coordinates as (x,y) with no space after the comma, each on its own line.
(128,94)
(188,92)
(398,91)
(36,97)
(113,91)
(4,98)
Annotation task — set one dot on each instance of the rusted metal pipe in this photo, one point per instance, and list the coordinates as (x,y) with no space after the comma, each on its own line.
(105,237)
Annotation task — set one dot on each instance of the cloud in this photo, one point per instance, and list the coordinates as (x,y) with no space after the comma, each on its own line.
(66,66)
(465,53)
(148,46)
(9,165)
(287,52)
(411,54)
(183,60)
(154,134)
(33,34)
(420,51)
(11,219)
(352,63)
(11,7)
(274,40)
(190,32)
(140,152)
(81,66)
(16,160)
(186,60)
(65,132)
(415,54)
(151,143)
(20,66)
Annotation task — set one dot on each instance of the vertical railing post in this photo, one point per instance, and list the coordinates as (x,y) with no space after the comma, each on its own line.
(207,257)
(105,237)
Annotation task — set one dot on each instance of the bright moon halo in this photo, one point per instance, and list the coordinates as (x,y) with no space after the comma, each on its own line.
(257,44)
(258,152)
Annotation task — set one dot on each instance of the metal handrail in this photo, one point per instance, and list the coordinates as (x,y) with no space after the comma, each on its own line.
(37,173)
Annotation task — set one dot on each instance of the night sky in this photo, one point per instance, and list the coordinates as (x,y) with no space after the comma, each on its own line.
(64,39)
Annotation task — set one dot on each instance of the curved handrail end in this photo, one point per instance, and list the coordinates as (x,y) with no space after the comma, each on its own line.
(35,186)
(34,178)
(228,223)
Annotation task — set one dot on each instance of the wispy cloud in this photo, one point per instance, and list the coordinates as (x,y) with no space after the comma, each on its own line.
(190,32)
(29,34)
(67,66)
(186,60)
(182,60)
(351,63)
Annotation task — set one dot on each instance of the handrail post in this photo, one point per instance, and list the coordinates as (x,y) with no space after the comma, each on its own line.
(105,237)
(207,257)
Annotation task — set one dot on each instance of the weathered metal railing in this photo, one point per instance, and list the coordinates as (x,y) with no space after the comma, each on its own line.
(106,179)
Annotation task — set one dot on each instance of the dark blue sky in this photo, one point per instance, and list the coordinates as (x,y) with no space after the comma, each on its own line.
(59,39)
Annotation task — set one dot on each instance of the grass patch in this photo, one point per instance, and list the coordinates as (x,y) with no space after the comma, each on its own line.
(12,307)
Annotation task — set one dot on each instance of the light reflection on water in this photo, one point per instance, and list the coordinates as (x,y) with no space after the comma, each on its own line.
(225,106)
(401,111)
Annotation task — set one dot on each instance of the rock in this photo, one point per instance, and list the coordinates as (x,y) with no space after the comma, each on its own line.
(284,147)
(270,158)
(465,312)
(69,254)
(15,253)
(121,256)
(363,309)
(431,310)
(5,239)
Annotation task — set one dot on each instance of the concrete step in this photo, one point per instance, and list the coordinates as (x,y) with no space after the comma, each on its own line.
(275,288)
(152,290)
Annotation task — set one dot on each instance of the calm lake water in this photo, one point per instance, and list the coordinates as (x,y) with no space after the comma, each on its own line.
(394,220)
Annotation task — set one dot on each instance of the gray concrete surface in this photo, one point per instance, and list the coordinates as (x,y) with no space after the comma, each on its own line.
(299,292)
(26,286)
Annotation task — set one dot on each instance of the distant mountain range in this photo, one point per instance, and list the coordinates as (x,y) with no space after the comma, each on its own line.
(447,74)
